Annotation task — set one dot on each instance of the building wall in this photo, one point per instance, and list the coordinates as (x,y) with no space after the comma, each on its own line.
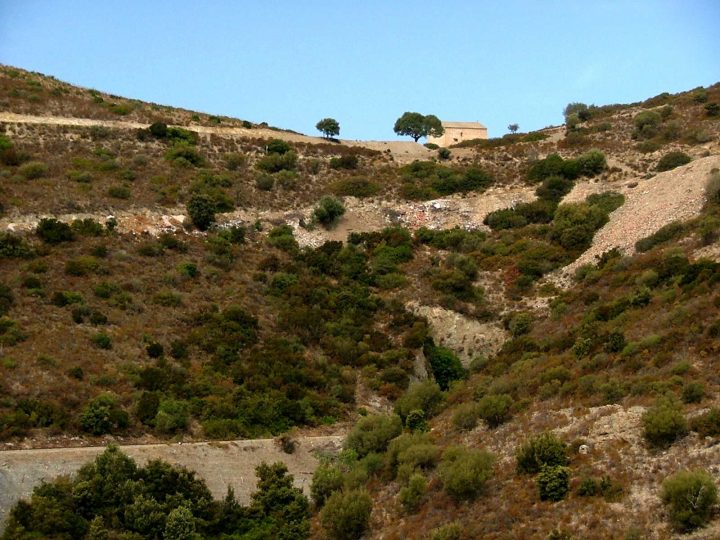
(454,135)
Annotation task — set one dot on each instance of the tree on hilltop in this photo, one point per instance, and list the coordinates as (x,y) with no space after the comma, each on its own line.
(416,125)
(329,127)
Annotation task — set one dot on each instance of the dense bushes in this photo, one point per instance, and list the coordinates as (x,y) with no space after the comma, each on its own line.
(423,396)
(114,498)
(690,497)
(664,234)
(553,482)
(464,472)
(52,231)
(427,180)
(355,187)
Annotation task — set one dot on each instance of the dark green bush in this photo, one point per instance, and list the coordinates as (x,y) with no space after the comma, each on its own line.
(664,423)
(101,341)
(690,497)
(172,416)
(464,472)
(6,299)
(553,482)
(346,514)
(201,209)
(544,449)
(591,163)
(444,153)
(693,392)
(664,234)
(103,415)
(348,161)
(444,364)
(278,146)
(52,231)
(671,160)
(328,211)
(712,109)
(13,246)
(275,162)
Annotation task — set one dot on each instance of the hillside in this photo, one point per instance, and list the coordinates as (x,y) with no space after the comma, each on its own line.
(167,275)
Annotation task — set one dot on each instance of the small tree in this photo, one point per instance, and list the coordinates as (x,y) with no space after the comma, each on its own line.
(512,128)
(328,211)
(373,433)
(416,125)
(690,496)
(328,127)
(544,449)
(201,209)
(553,482)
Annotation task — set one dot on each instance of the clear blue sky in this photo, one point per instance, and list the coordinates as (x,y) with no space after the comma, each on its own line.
(365,62)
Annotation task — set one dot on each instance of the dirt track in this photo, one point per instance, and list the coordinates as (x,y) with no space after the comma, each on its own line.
(219,463)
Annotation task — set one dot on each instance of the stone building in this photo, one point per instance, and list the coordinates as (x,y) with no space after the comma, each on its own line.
(456,132)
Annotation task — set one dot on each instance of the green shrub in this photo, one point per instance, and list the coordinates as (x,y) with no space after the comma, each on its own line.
(444,364)
(506,218)
(411,496)
(6,299)
(544,449)
(82,266)
(693,392)
(274,162)
(690,497)
(575,224)
(264,182)
(664,423)
(671,160)
(328,211)
(172,416)
(449,531)
(520,324)
(103,415)
(102,341)
(664,234)
(553,482)
(87,227)
(355,187)
(119,192)
(184,155)
(646,124)
(444,153)
(326,480)
(234,161)
(33,169)
(424,396)
(495,409)
(707,424)
(466,417)
(712,109)
(592,162)
(348,161)
(282,238)
(278,146)
(373,433)
(346,515)
(464,472)
(201,209)
(554,188)
(52,231)
(13,246)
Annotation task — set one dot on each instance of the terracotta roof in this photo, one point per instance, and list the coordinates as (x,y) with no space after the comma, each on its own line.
(466,125)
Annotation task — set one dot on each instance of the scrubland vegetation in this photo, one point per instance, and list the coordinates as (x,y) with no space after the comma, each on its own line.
(223,331)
